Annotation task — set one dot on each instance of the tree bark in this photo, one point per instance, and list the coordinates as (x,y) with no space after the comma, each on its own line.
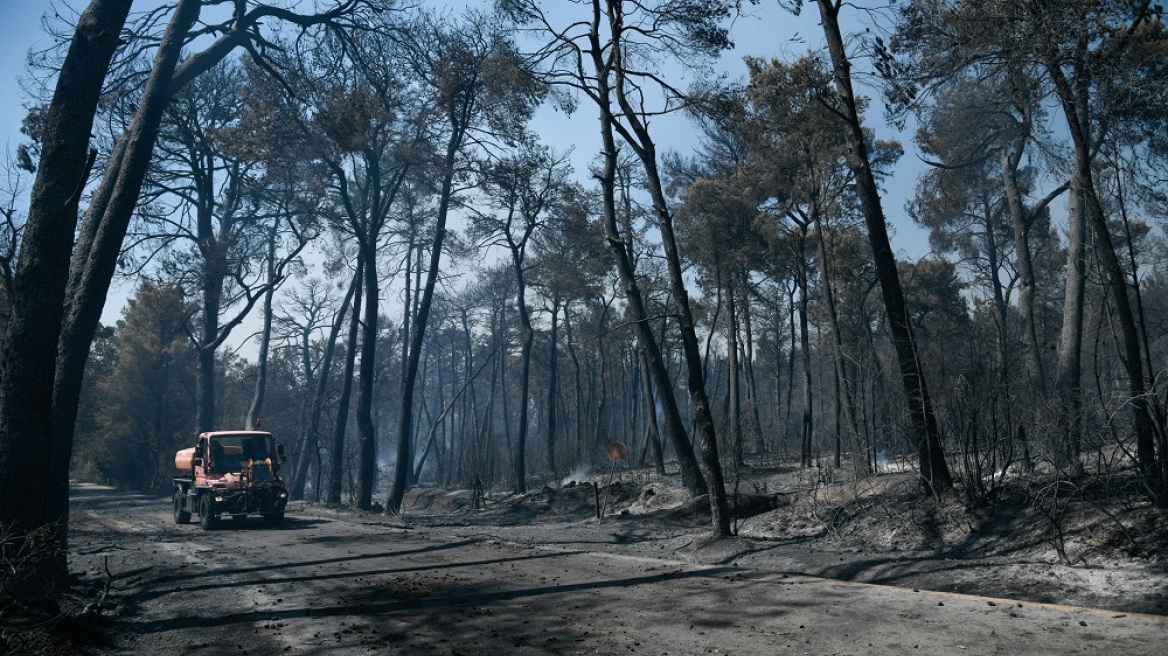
(651,413)
(1023,262)
(336,465)
(310,451)
(692,478)
(214,271)
(402,469)
(34,475)
(1068,369)
(1116,281)
(553,385)
(99,245)
(757,445)
(807,425)
(636,135)
(367,375)
(934,471)
(528,337)
(254,414)
(846,398)
(733,376)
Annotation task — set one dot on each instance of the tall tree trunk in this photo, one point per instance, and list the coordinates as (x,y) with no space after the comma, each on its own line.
(1116,280)
(756,444)
(793,327)
(846,398)
(807,426)
(99,246)
(691,474)
(254,414)
(366,435)
(402,468)
(407,306)
(1023,262)
(300,447)
(651,417)
(637,136)
(1068,368)
(34,471)
(733,377)
(340,427)
(208,334)
(528,337)
(926,430)
(578,387)
(553,385)
(310,452)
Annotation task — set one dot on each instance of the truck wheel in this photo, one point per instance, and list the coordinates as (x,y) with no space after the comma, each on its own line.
(207,518)
(274,519)
(181,514)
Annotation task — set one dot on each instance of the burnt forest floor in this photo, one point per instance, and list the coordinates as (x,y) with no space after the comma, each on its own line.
(1091,541)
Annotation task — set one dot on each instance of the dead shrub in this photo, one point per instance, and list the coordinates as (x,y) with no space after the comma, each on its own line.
(27,560)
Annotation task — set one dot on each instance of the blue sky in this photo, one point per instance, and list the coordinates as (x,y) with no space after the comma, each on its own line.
(20,29)
(772,32)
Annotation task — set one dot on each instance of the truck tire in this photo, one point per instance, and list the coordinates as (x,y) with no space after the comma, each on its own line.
(274,519)
(182,515)
(207,518)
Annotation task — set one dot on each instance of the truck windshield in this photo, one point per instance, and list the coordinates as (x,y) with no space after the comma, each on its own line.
(230,453)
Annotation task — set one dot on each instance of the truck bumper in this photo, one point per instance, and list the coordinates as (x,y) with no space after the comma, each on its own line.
(262,501)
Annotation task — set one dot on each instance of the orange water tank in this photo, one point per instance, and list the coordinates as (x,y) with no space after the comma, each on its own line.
(183,460)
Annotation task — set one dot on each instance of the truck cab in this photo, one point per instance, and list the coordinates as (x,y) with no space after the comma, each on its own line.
(233,473)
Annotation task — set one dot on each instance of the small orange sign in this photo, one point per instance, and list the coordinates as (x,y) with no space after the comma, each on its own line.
(617,451)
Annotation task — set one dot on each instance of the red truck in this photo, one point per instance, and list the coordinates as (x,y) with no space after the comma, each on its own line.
(233,473)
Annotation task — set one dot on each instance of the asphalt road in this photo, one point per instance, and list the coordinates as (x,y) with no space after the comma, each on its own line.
(328,583)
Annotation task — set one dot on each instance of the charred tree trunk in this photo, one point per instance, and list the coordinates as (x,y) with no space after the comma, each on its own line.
(691,473)
(1117,286)
(637,136)
(310,452)
(99,245)
(733,390)
(528,337)
(756,441)
(1068,369)
(553,385)
(1011,160)
(807,426)
(257,402)
(651,418)
(402,470)
(366,436)
(926,430)
(846,398)
(34,450)
(340,427)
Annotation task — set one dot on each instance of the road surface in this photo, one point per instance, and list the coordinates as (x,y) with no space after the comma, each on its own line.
(336,584)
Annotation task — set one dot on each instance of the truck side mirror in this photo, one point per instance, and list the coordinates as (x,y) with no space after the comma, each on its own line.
(280,452)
